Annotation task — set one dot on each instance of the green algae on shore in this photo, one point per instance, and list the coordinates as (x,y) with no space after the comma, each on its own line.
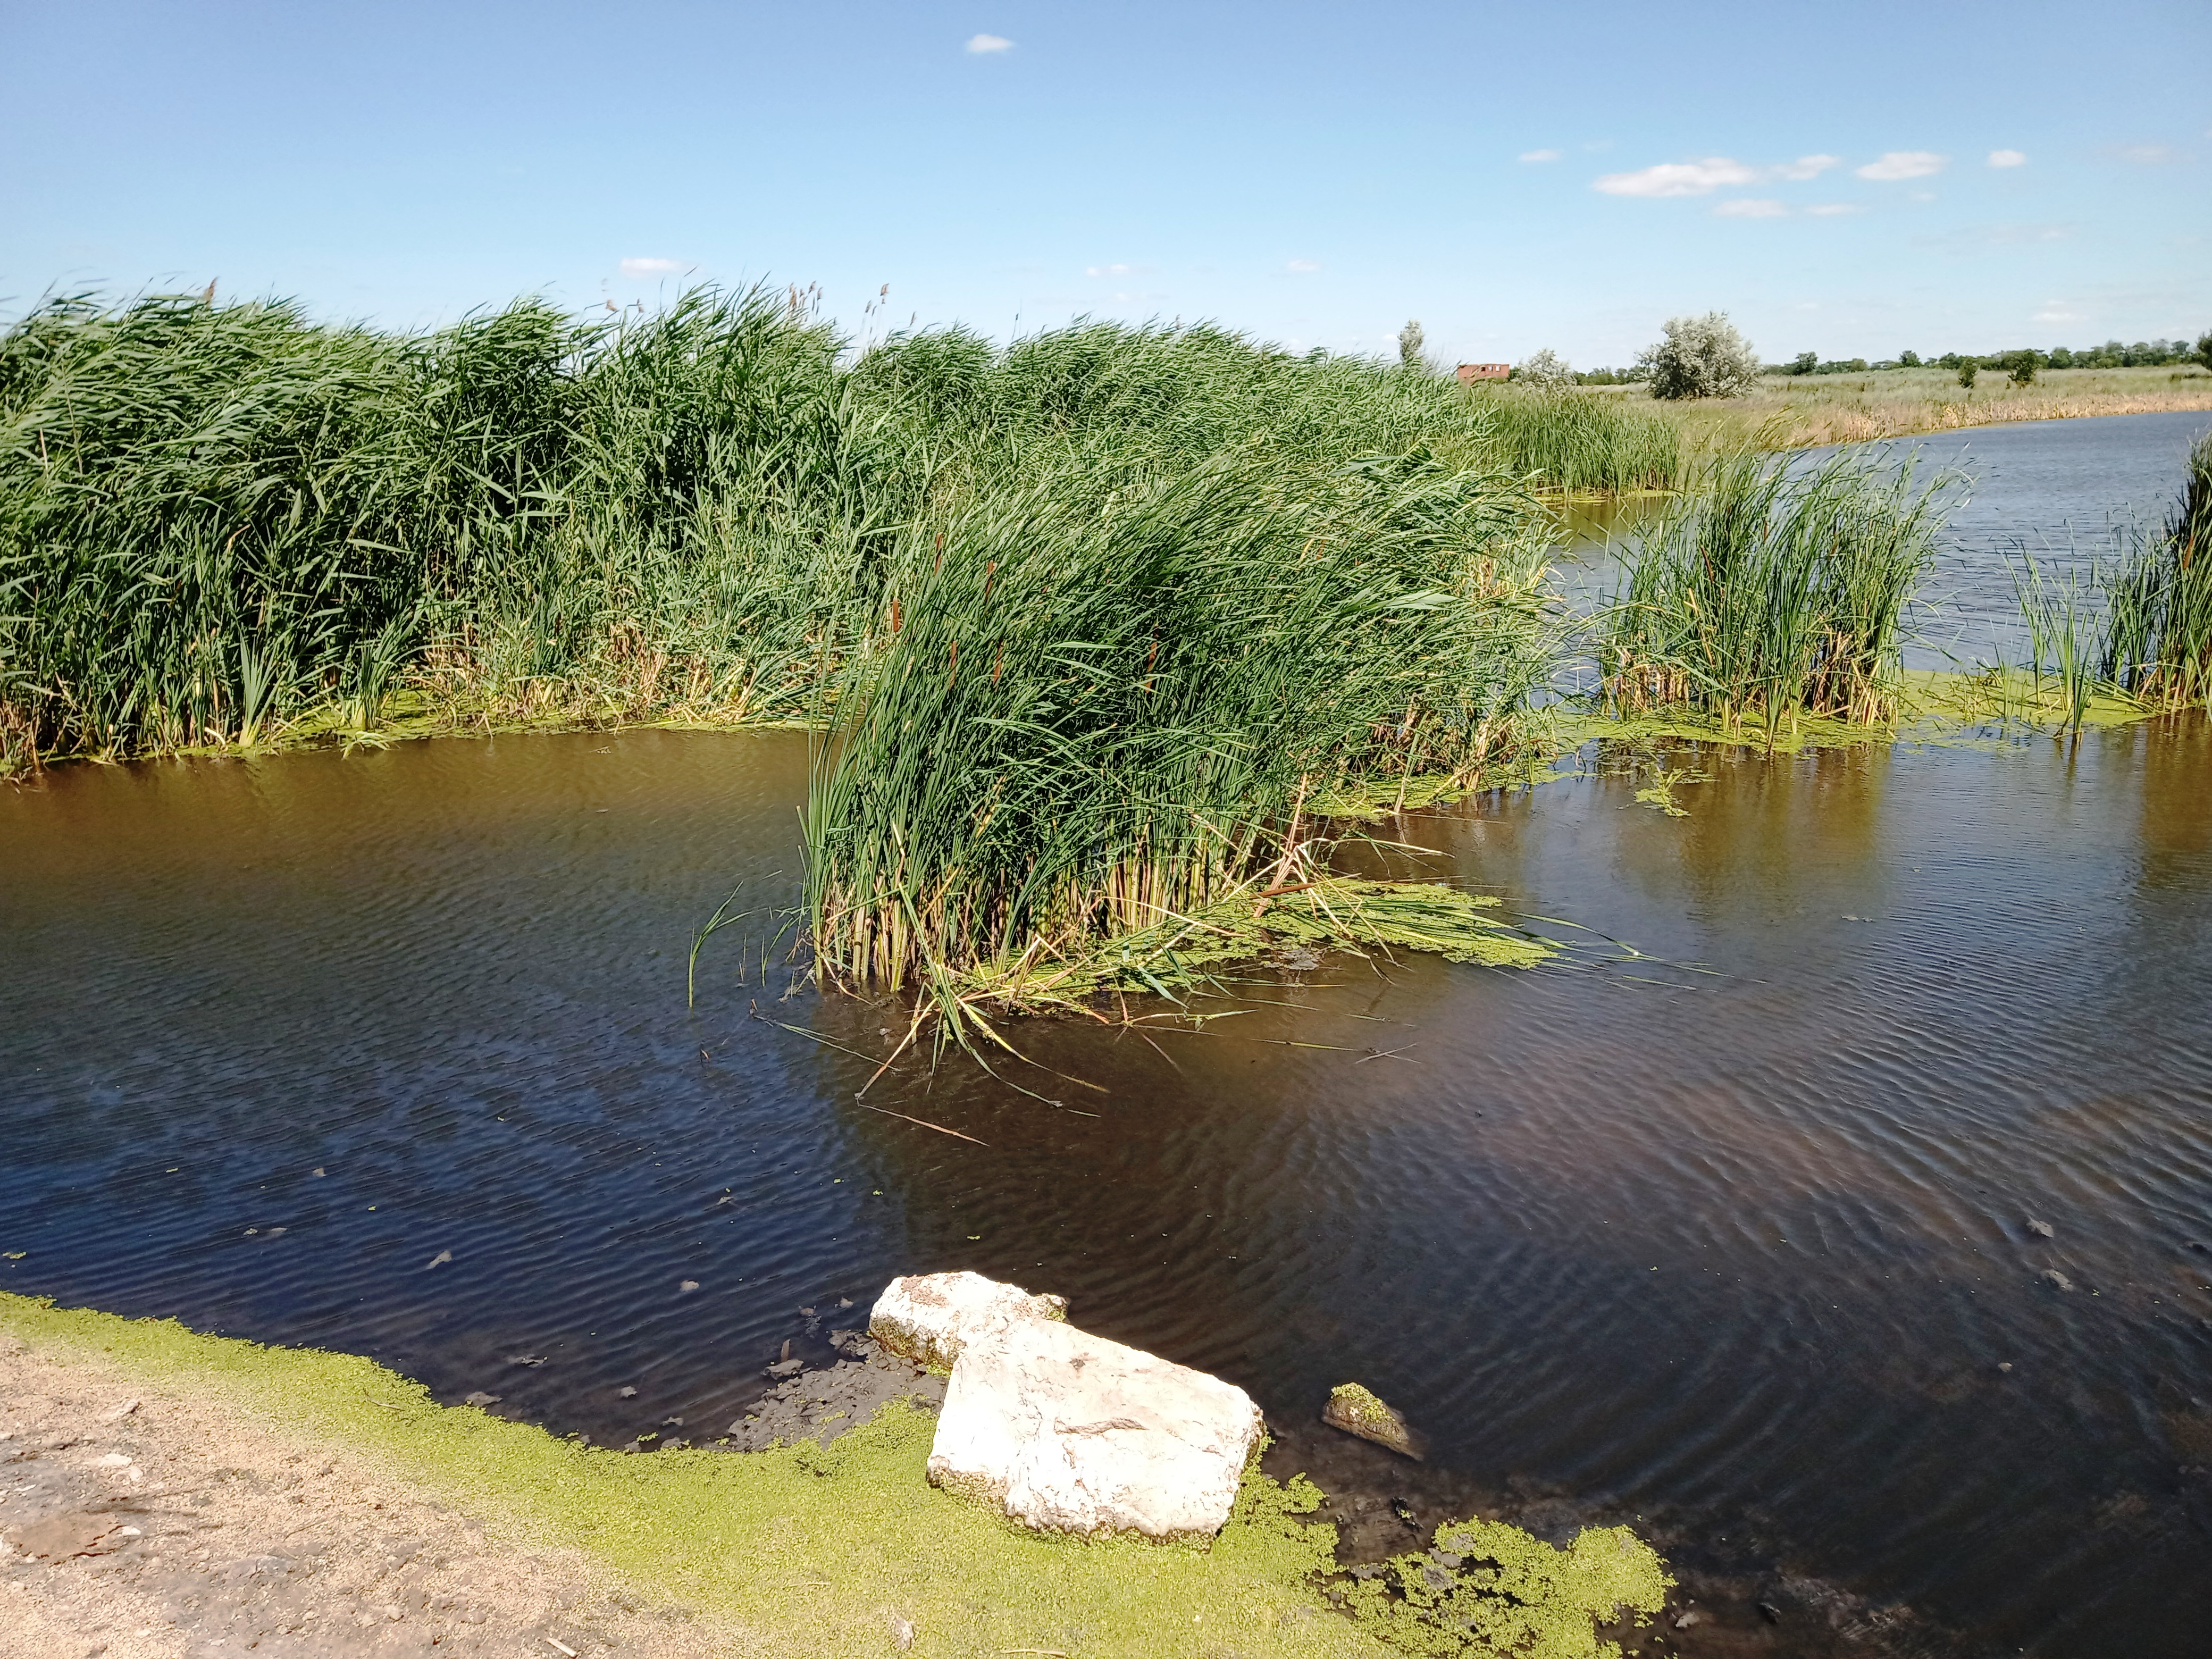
(818,1547)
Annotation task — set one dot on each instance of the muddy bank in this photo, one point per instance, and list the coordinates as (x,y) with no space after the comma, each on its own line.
(142,1523)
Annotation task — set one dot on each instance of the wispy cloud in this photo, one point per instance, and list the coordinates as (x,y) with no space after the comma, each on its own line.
(1677,178)
(651,267)
(1109,270)
(1703,178)
(2057,311)
(1302,264)
(1985,239)
(2008,158)
(2146,155)
(1808,167)
(1903,164)
(981,44)
(1750,207)
(1539,155)
(1834,209)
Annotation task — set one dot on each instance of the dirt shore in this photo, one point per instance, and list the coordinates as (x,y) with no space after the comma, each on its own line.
(142,1524)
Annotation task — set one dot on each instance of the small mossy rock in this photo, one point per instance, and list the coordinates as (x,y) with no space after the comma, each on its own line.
(929,1317)
(1357,1411)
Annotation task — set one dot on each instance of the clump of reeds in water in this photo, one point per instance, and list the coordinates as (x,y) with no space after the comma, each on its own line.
(1105,699)
(2158,623)
(1580,443)
(1774,591)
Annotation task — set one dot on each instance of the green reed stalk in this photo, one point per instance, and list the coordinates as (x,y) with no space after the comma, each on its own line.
(1579,444)
(2158,642)
(1109,689)
(1775,592)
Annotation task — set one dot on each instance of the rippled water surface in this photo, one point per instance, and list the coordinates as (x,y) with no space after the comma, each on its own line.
(2067,494)
(1742,1251)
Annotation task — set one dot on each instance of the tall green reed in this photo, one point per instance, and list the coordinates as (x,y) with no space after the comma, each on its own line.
(2158,635)
(222,523)
(1110,693)
(1775,590)
(1580,443)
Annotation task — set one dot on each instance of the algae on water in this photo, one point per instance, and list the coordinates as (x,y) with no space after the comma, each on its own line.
(1490,1589)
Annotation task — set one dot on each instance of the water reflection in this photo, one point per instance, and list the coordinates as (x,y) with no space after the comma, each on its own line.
(1735,1235)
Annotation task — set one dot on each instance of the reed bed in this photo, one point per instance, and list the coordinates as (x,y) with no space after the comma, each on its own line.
(1775,592)
(223,524)
(2157,642)
(2110,643)
(1579,444)
(1109,696)
(226,525)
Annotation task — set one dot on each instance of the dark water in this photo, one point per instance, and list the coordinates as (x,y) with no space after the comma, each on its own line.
(2067,494)
(1738,1252)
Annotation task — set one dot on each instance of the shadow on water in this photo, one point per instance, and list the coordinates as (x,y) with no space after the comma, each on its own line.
(390,1053)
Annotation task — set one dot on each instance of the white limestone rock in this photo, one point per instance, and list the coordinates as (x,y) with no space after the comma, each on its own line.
(929,1317)
(1072,1433)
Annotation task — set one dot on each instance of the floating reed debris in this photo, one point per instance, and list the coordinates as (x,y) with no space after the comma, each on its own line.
(1776,590)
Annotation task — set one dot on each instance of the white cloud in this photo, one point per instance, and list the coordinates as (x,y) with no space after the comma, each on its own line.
(1924,195)
(1304,265)
(1903,164)
(1808,167)
(979,43)
(2057,311)
(651,267)
(1539,155)
(2008,158)
(1107,270)
(2145,155)
(1834,209)
(1750,207)
(1677,177)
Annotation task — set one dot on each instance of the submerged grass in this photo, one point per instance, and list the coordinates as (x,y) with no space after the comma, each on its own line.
(1774,594)
(809,1549)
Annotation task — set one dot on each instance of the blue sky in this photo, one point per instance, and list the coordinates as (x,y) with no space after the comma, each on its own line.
(1516,176)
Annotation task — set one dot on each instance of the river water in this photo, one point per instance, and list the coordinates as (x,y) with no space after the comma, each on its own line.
(2068,494)
(1741,1239)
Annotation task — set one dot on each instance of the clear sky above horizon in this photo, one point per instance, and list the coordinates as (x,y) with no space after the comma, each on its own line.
(1853,182)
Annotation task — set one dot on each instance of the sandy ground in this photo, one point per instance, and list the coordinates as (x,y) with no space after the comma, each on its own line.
(141,1525)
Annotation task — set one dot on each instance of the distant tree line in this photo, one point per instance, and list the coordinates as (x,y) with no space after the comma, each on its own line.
(2143,354)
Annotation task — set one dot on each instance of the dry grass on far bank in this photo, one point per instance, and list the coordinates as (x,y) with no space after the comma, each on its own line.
(1801,411)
